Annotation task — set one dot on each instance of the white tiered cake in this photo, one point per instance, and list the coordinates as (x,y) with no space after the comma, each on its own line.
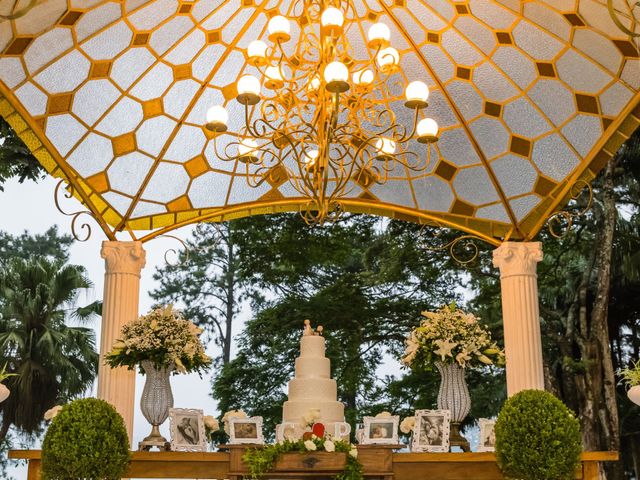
(312,387)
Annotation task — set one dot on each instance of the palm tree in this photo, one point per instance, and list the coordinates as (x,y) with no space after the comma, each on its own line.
(54,362)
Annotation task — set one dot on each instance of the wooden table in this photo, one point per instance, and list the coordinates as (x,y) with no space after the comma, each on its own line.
(404,466)
(476,466)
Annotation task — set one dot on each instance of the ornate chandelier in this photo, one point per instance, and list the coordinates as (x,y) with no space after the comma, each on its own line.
(325,123)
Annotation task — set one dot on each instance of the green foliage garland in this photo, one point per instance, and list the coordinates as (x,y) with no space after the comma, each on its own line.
(262,460)
(87,440)
(537,437)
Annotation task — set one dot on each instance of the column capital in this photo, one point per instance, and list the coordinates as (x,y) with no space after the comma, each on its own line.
(123,257)
(517,258)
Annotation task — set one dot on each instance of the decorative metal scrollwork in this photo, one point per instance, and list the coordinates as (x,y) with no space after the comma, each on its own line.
(75,226)
(172,255)
(21,12)
(614,16)
(560,223)
(463,249)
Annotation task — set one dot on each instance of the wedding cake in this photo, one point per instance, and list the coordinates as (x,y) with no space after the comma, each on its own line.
(312,392)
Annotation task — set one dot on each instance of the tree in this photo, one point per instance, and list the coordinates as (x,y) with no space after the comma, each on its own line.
(54,362)
(15,158)
(49,244)
(207,282)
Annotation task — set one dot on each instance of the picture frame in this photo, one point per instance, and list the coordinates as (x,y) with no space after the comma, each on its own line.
(380,430)
(246,431)
(187,430)
(487,442)
(431,431)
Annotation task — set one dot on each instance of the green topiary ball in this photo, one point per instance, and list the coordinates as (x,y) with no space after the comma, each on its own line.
(537,438)
(86,440)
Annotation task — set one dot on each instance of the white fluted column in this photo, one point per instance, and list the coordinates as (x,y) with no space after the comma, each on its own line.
(517,262)
(123,263)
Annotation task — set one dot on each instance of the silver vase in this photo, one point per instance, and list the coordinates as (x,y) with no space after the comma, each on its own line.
(453,395)
(155,403)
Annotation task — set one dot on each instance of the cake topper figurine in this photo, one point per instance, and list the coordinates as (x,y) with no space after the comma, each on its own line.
(310,331)
(307,328)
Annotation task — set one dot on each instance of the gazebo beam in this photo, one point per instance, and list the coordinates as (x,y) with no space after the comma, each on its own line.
(517,262)
(123,264)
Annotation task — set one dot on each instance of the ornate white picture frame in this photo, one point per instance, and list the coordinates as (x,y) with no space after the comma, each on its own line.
(187,430)
(246,431)
(487,441)
(380,430)
(431,431)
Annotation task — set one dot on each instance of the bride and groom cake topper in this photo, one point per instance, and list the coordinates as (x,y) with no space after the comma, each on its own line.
(310,331)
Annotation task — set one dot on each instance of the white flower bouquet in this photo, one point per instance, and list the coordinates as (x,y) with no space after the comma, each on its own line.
(230,414)
(450,335)
(164,337)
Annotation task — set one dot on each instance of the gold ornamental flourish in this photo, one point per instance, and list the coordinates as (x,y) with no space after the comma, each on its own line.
(15,14)
(69,193)
(564,219)
(619,24)
(463,249)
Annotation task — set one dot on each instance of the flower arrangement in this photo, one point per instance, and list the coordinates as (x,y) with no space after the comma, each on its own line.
(211,425)
(631,376)
(407,425)
(450,335)
(52,413)
(162,336)
(230,414)
(261,461)
(310,418)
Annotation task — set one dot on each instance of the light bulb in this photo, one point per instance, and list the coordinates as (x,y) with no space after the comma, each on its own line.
(427,130)
(248,90)
(257,52)
(279,29)
(363,77)
(385,146)
(417,94)
(336,75)
(247,147)
(217,118)
(332,20)
(388,58)
(310,158)
(274,78)
(314,84)
(378,35)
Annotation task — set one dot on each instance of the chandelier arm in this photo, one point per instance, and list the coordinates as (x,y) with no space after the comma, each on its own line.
(415,124)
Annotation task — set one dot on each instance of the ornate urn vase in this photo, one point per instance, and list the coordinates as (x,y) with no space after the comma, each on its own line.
(453,395)
(155,403)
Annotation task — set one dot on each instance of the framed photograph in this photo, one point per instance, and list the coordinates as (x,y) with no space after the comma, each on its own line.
(380,431)
(431,431)
(187,430)
(246,430)
(487,435)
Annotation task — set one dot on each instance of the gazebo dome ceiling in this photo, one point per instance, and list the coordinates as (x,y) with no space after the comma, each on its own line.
(530,96)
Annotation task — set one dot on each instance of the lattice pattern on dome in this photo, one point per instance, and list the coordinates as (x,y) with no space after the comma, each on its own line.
(530,96)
